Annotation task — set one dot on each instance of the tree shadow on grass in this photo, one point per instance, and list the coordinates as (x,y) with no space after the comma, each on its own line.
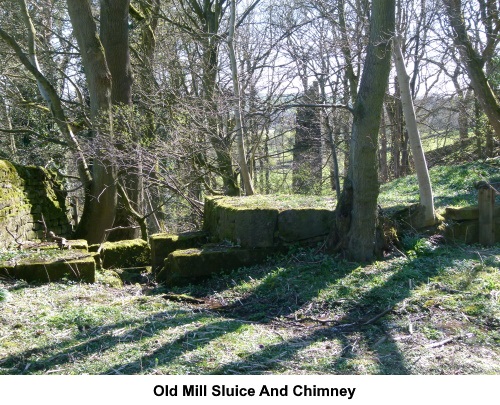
(277,291)
(95,341)
(359,326)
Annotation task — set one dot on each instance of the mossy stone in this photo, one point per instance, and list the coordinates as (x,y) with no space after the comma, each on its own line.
(125,254)
(162,244)
(110,278)
(82,269)
(29,194)
(192,265)
(466,213)
(300,225)
(467,231)
(246,227)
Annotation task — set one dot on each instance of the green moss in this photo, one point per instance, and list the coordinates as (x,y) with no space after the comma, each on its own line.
(27,193)
(79,269)
(125,254)
(192,265)
(163,244)
(270,220)
(110,278)
(279,202)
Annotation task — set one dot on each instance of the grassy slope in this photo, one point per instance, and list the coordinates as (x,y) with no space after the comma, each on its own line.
(452,185)
(434,310)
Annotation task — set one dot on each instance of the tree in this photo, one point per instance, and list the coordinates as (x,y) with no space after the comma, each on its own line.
(307,162)
(242,158)
(99,211)
(114,34)
(474,62)
(424,181)
(356,213)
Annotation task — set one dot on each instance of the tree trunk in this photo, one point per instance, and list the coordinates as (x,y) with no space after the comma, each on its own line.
(357,210)
(384,171)
(242,159)
(100,208)
(424,181)
(114,34)
(473,65)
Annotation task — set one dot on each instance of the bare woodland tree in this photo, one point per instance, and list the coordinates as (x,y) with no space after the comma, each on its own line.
(355,230)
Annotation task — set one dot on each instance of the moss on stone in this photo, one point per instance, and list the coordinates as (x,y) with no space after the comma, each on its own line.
(162,244)
(305,224)
(80,269)
(266,221)
(29,194)
(280,202)
(466,213)
(110,278)
(193,265)
(125,254)
(467,231)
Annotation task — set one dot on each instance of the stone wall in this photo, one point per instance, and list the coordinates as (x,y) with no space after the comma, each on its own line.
(28,194)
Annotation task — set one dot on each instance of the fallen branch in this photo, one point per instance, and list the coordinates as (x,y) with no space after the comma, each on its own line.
(16,238)
(376,317)
(183,298)
(441,343)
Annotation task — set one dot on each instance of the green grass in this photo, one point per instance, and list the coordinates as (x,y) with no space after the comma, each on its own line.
(302,313)
(452,186)
(433,309)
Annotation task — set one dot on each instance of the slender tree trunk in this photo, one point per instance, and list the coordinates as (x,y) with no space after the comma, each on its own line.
(355,228)
(346,51)
(100,208)
(384,171)
(424,181)
(240,141)
(54,103)
(474,65)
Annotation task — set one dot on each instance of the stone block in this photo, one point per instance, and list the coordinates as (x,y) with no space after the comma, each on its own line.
(162,244)
(78,269)
(192,265)
(468,231)
(125,254)
(250,227)
(300,225)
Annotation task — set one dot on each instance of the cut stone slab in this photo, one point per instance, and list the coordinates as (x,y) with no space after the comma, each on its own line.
(78,269)
(468,231)
(304,224)
(466,213)
(241,225)
(162,244)
(192,265)
(267,221)
(125,254)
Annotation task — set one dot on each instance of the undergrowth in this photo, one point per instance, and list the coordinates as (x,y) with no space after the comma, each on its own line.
(434,310)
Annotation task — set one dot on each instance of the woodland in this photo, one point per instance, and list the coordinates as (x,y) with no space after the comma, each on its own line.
(146,107)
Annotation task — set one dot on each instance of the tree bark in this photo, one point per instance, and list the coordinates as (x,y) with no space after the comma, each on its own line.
(114,34)
(424,181)
(474,65)
(100,208)
(355,228)
(242,160)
